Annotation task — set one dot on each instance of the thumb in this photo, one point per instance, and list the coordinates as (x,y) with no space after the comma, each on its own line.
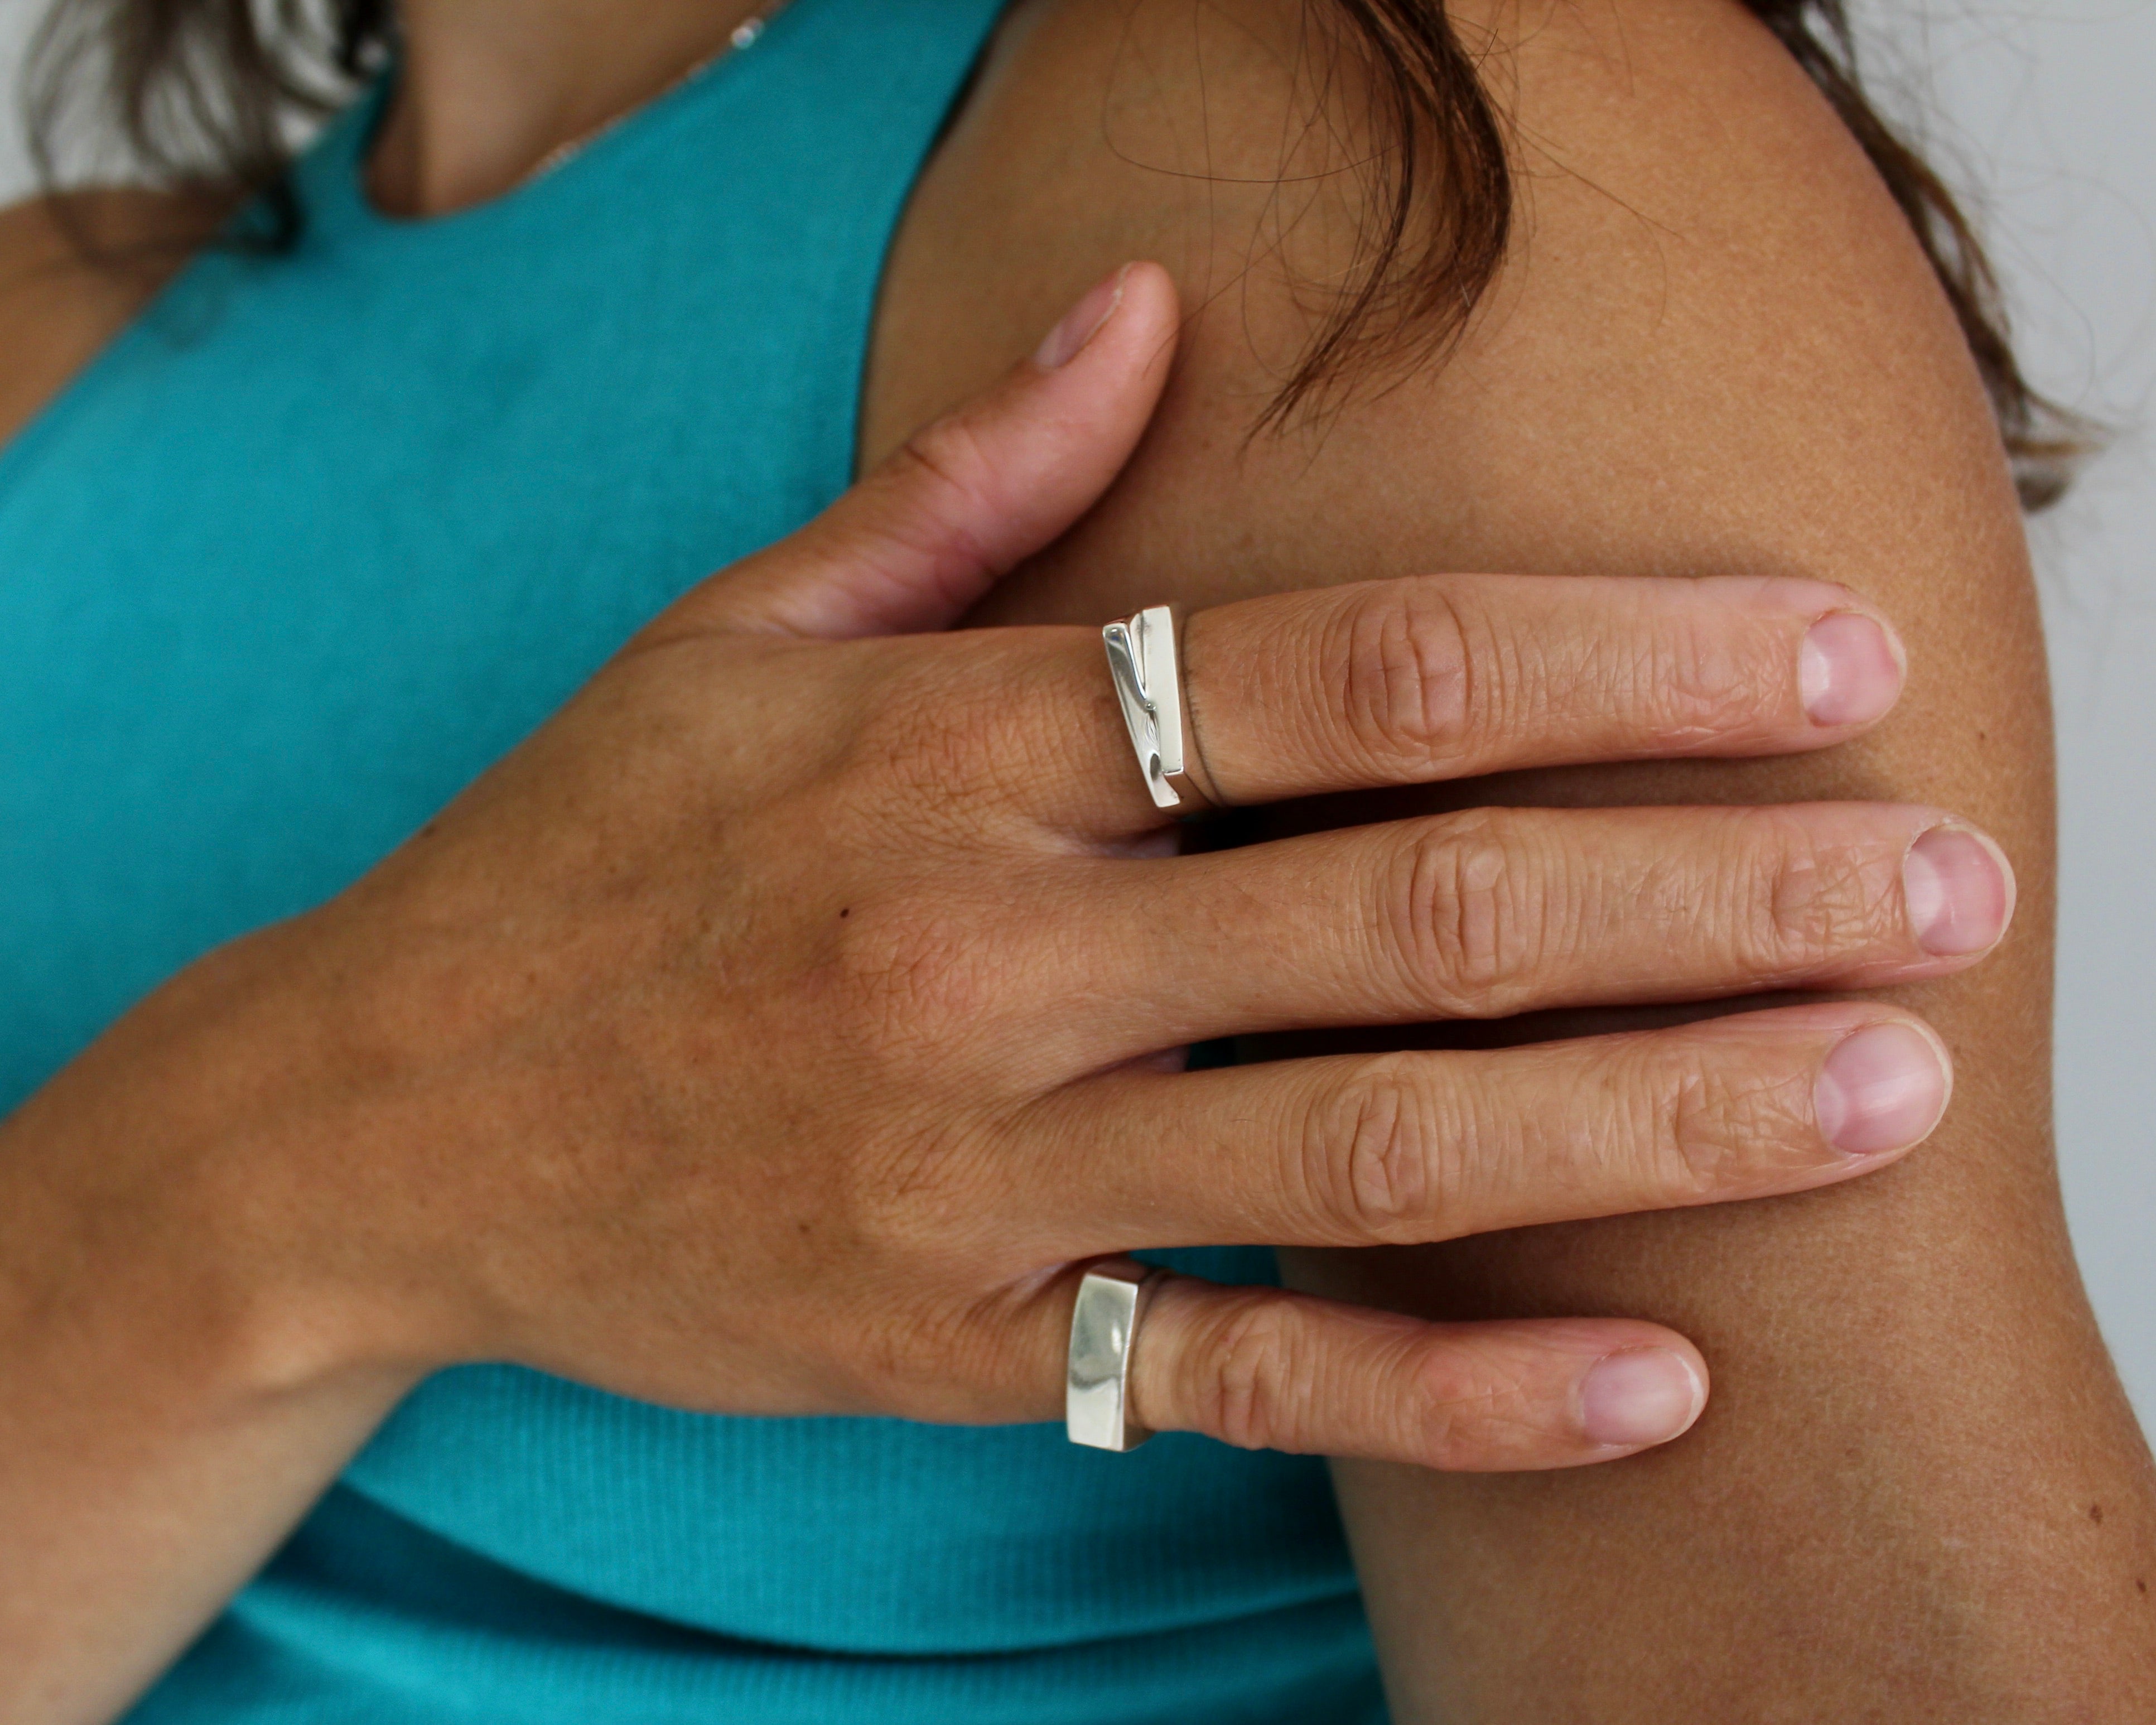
(918,540)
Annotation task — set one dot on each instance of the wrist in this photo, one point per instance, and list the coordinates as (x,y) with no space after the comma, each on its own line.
(167,1206)
(179,1390)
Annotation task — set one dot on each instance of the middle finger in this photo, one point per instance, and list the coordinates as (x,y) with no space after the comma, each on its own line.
(1494,911)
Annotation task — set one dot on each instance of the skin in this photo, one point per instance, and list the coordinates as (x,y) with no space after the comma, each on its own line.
(1919,1493)
(168,1442)
(612,1071)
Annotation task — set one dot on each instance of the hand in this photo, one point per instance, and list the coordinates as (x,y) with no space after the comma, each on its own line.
(784,1026)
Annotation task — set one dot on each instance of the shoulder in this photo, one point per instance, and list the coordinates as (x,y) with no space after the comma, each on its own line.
(1714,344)
(59,304)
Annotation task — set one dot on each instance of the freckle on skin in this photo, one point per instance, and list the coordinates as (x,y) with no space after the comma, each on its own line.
(2096,1511)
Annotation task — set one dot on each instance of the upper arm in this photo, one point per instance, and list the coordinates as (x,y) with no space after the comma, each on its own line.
(1714,348)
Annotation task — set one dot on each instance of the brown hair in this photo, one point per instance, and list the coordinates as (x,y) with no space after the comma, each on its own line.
(203,91)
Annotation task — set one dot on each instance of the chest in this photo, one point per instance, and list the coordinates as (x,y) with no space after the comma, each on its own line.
(319,536)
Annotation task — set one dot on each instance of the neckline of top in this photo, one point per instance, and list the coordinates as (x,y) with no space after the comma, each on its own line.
(338,192)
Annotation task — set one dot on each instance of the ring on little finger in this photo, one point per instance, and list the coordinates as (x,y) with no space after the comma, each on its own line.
(1112,1297)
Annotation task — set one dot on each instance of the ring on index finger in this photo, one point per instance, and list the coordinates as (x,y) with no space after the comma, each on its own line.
(1145,660)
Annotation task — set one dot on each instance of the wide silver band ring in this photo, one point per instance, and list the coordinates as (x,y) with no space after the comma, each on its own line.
(1145,660)
(1112,1296)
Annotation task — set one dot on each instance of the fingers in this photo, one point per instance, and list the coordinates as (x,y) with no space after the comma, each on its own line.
(926,534)
(1265,1369)
(1402,1148)
(1446,677)
(1437,677)
(1496,912)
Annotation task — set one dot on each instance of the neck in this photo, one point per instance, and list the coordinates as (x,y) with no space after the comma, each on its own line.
(487,89)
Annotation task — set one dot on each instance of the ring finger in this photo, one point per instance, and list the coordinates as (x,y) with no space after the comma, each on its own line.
(1495,911)
(1409,1147)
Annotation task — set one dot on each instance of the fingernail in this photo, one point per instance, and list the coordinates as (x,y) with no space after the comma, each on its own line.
(1883,1088)
(1081,322)
(1848,670)
(1959,891)
(1645,1396)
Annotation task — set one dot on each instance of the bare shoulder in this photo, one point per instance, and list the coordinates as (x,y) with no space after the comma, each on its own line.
(58,305)
(1714,345)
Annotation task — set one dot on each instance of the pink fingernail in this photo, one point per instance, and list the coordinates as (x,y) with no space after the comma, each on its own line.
(1644,1395)
(1081,322)
(1847,669)
(1882,1088)
(1958,888)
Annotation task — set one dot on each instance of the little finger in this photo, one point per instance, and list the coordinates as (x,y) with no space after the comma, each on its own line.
(1262,1369)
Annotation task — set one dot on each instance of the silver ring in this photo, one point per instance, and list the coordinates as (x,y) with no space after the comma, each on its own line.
(1112,1296)
(1144,655)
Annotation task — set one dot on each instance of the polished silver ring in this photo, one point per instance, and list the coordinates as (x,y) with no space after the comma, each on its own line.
(1112,1296)
(1144,659)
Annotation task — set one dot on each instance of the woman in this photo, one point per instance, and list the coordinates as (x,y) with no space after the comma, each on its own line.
(778,1030)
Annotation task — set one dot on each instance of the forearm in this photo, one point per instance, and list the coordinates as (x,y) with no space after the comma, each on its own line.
(170,1410)
(138,1494)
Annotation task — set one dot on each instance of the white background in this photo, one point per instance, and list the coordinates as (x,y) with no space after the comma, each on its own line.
(2050,111)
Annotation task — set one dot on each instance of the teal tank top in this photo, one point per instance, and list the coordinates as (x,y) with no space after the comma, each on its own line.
(314,540)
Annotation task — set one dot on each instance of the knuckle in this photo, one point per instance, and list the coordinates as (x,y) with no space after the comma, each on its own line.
(942,744)
(949,472)
(896,1353)
(908,1205)
(941,1357)
(912,976)
(1469,910)
(1806,902)
(1689,681)
(1405,685)
(1026,719)
(1369,1155)
(1257,1392)
(1714,1127)
(1473,1407)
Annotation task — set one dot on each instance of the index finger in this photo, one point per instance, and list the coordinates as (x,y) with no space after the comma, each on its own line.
(1426,678)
